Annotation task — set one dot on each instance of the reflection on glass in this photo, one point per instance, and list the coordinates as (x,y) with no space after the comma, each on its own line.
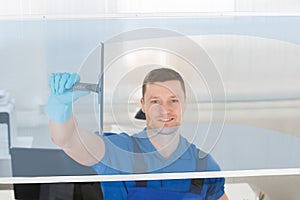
(261,129)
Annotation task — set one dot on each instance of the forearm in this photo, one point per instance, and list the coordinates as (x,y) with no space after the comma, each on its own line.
(82,145)
(85,147)
(61,133)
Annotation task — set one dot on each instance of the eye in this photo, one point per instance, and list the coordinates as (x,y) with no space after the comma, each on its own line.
(154,101)
(174,100)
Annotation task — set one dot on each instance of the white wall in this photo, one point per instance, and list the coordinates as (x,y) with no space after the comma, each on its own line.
(69,8)
(139,6)
(55,7)
(267,5)
(23,65)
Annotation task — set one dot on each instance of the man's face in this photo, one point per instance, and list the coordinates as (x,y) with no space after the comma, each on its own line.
(163,104)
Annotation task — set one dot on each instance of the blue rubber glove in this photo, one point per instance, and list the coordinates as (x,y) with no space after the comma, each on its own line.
(59,105)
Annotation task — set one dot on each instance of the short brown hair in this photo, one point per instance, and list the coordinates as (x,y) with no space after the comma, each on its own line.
(162,75)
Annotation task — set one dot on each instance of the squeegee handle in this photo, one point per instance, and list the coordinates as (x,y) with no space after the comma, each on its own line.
(86,87)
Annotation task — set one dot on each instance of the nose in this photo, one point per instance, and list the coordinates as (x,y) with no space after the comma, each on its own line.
(165,107)
(159,109)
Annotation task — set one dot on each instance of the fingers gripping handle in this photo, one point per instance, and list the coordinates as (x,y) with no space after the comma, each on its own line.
(87,87)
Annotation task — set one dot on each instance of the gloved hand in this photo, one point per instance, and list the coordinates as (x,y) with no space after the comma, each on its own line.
(59,105)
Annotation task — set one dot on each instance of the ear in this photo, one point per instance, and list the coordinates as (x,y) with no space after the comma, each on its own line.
(143,104)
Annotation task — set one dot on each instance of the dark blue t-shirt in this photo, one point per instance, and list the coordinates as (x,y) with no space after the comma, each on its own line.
(120,159)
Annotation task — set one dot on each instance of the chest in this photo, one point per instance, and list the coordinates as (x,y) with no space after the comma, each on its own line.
(147,159)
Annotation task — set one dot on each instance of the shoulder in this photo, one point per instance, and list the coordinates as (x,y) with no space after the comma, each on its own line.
(206,162)
(113,135)
(120,140)
(212,164)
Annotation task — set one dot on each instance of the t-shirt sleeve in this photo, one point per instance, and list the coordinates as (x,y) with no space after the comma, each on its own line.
(215,188)
(215,185)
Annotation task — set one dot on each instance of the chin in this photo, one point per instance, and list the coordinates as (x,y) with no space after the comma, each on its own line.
(165,130)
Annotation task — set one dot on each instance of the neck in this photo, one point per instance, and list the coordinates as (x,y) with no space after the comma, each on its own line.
(165,144)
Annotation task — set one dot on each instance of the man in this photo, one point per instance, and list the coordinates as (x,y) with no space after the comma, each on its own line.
(162,147)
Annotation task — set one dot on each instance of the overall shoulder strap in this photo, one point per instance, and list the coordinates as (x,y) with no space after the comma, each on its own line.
(201,161)
(139,164)
(201,165)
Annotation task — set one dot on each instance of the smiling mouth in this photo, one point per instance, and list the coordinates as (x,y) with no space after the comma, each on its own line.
(165,120)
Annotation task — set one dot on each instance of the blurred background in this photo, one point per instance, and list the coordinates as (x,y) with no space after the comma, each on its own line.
(252,45)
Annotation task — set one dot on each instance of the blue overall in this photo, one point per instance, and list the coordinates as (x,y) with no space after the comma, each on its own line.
(119,159)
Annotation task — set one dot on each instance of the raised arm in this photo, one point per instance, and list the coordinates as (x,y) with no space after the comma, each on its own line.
(81,145)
